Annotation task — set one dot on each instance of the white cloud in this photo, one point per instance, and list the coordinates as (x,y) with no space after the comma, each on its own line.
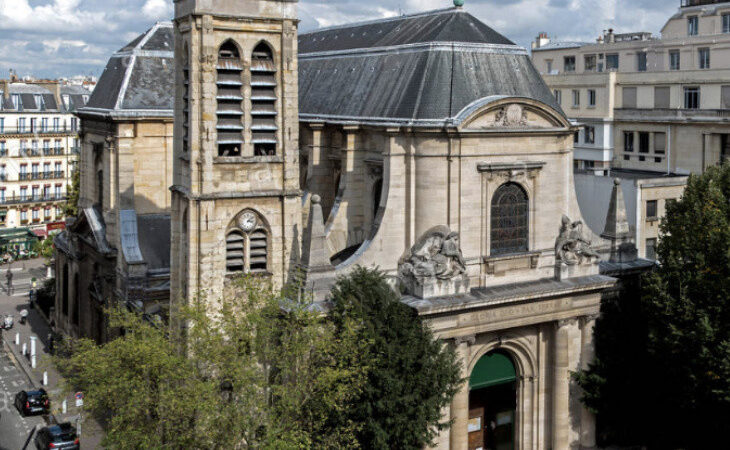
(157,9)
(60,16)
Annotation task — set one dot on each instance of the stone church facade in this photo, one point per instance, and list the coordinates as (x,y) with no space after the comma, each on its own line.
(426,145)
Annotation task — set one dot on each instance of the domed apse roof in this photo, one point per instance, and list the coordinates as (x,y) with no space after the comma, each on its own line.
(139,79)
(417,70)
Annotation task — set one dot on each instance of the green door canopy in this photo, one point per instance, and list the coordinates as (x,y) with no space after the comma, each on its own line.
(492,369)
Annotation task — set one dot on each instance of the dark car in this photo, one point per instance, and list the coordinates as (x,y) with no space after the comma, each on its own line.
(62,435)
(32,402)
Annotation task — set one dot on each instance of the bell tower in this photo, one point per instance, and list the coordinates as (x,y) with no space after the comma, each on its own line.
(236,204)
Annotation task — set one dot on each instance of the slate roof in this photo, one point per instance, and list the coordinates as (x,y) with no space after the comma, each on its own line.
(417,70)
(139,79)
(558,45)
(28,101)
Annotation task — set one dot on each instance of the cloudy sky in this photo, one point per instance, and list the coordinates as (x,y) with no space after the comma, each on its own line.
(56,38)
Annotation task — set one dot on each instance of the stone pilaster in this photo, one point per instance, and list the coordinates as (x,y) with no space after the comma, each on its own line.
(587,355)
(459,435)
(561,385)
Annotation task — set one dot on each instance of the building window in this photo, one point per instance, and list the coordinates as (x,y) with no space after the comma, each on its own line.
(641,61)
(576,137)
(674,60)
(3,149)
(651,248)
(651,210)
(100,188)
(510,220)
(56,124)
(692,26)
(612,61)
(558,96)
(643,142)
(725,97)
(230,100)
(628,97)
(726,23)
(590,63)
(569,64)
(74,124)
(660,143)
(263,101)
(691,98)
(21,125)
(16,102)
(2,125)
(24,216)
(549,66)
(576,98)
(628,141)
(591,97)
(186,99)
(590,135)
(247,245)
(704,55)
(661,97)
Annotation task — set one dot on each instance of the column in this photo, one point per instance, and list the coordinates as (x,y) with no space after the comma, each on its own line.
(561,385)
(587,354)
(459,435)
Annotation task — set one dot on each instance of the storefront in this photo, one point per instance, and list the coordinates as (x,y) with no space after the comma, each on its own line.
(17,241)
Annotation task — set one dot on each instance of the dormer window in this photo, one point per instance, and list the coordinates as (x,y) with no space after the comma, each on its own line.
(67,101)
(230,101)
(16,101)
(39,102)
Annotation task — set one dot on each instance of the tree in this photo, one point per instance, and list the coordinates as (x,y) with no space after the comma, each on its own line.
(44,248)
(685,310)
(411,375)
(252,375)
(71,207)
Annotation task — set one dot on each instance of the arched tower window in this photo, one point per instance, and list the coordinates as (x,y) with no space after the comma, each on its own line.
(247,244)
(263,101)
(66,287)
(186,99)
(510,224)
(230,100)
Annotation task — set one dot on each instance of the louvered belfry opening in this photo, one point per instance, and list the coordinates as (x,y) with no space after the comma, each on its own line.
(186,103)
(230,100)
(263,101)
(258,251)
(235,252)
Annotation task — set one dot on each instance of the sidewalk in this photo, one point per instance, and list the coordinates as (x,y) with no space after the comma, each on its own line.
(91,431)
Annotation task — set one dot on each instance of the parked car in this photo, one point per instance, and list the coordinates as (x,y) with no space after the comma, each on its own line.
(32,402)
(62,436)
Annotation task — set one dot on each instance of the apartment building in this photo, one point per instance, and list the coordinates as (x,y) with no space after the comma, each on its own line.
(39,147)
(659,104)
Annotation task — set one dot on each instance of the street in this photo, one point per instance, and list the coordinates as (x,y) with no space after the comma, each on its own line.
(15,429)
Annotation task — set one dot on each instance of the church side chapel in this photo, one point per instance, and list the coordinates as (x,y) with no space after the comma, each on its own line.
(426,145)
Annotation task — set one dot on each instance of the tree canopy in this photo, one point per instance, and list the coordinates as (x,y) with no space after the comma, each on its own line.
(676,369)
(259,370)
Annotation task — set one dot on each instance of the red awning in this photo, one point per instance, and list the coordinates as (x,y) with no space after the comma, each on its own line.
(40,232)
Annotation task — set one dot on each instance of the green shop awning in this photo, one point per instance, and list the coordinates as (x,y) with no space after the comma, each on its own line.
(492,369)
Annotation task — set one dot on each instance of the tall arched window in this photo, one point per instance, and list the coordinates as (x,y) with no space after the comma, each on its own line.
(247,244)
(77,301)
(66,288)
(186,99)
(230,100)
(263,101)
(510,220)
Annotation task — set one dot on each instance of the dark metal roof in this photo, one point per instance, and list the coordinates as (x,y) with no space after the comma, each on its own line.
(417,70)
(447,25)
(139,80)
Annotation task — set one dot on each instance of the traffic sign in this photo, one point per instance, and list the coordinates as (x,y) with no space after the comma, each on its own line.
(79,399)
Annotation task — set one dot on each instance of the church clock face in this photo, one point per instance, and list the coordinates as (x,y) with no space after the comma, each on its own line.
(247,221)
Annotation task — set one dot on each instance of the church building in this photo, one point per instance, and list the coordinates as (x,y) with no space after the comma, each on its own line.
(426,145)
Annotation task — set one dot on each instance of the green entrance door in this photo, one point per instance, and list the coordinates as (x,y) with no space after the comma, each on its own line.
(492,403)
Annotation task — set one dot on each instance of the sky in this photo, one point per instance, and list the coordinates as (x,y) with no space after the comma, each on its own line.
(64,38)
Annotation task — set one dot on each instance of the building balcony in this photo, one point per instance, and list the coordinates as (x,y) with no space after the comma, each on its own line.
(76,150)
(30,131)
(26,199)
(672,115)
(688,3)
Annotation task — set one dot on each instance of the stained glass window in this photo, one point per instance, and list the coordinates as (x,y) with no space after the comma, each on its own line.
(510,226)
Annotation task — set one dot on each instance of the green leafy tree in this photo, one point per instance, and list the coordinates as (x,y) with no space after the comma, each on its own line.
(682,322)
(44,248)
(253,375)
(411,375)
(71,207)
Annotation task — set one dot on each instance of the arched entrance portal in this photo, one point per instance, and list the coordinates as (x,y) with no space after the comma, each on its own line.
(492,403)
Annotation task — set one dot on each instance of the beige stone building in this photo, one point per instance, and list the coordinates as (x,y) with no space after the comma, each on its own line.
(426,145)
(39,147)
(649,103)
(118,248)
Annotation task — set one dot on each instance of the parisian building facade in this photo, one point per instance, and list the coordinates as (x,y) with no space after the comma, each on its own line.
(39,148)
